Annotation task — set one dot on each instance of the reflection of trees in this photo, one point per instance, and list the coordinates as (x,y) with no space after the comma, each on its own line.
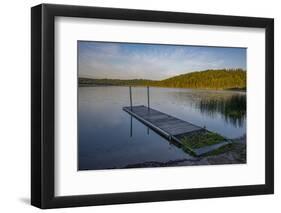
(231,105)
(233,108)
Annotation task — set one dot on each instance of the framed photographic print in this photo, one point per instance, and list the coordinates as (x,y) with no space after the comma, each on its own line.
(139,106)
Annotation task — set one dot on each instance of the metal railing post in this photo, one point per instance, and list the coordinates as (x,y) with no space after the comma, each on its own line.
(131,104)
(148,101)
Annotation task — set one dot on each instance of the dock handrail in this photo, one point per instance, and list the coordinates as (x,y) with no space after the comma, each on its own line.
(131,99)
(148,101)
(131,104)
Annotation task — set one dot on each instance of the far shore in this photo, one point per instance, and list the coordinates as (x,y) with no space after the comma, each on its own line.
(106,85)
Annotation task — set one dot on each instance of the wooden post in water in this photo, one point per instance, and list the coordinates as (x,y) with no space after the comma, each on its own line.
(131,104)
(148,101)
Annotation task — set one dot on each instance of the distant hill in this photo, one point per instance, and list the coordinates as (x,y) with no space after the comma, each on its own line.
(208,79)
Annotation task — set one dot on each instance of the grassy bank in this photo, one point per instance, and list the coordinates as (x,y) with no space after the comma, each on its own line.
(196,140)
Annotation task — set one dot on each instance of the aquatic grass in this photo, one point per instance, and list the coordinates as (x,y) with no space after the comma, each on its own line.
(200,139)
(233,109)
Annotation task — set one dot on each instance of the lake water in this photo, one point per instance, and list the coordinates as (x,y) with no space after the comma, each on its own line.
(110,138)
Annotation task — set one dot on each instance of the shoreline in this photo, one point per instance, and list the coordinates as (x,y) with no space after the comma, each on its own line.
(206,89)
(234,154)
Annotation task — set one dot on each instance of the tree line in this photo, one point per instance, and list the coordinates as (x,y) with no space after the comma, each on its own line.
(208,79)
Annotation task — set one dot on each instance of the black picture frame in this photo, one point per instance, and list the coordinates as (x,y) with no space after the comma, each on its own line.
(43,100)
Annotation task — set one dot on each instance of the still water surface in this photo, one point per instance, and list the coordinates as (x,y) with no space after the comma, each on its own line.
(110,138)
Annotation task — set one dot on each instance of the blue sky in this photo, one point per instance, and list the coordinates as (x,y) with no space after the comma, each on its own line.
(152,61)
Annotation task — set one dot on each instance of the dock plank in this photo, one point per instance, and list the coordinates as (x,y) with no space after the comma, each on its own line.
(163,123)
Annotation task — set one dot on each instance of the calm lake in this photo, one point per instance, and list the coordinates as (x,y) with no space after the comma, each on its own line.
(110,138)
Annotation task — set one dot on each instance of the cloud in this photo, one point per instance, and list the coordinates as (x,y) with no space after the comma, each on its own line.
(131,61)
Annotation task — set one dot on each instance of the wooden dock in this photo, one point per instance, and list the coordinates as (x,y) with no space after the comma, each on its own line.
(168,126)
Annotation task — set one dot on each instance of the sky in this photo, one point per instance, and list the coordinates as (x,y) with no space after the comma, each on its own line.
(152,61)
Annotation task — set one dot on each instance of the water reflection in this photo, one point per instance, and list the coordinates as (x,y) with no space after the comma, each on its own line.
(111,138)
(233,108)
(131,127)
